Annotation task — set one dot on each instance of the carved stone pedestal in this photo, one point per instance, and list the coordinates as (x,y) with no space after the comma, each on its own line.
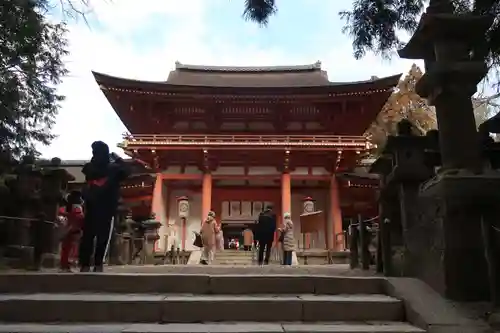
(151,237)
(455,262)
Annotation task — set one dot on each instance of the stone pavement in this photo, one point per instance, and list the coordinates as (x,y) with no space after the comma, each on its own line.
(339,327)
(329,270)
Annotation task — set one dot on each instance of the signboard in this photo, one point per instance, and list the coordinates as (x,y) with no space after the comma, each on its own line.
(312,222)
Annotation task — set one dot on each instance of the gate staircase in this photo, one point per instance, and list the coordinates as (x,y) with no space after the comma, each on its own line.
(244,258)
(200,302)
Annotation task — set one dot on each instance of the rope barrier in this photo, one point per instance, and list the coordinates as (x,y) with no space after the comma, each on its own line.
(30,219)
(370,220)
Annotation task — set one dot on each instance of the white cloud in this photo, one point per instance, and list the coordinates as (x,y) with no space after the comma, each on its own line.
(86,115)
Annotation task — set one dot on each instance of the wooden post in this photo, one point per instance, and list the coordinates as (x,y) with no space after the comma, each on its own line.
(385,237)
(353,245)
(178,256)
(379,258)
(489,252)
(364,240)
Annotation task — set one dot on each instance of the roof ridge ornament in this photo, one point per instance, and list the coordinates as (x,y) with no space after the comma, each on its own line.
(242,69)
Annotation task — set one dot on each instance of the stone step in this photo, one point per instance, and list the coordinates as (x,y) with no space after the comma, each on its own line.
(235,253)
(233,262)
(250,283)
(229,258)
(185,308)
(331,327)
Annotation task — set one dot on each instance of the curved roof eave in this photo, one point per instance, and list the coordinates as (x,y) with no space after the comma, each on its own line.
(118,82)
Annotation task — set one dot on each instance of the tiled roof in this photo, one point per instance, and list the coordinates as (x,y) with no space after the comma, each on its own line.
(248,69)
(261,76)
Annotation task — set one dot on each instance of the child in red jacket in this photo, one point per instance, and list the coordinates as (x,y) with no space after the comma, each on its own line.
(72,216)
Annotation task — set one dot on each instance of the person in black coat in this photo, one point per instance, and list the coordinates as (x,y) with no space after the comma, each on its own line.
(103,175)
(265,229)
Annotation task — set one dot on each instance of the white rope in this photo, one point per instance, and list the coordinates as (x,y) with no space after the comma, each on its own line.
(109,236)
(25,219)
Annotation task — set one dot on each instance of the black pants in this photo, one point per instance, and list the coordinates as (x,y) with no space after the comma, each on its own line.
(265,244)
(247,247)
(287,258)
(97,227)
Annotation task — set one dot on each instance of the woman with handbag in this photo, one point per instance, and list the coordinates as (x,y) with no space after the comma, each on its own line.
(287,239)
(208,232)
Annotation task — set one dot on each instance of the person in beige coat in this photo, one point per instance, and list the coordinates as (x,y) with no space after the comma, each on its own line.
(288,239)
(247,239)
(209,230)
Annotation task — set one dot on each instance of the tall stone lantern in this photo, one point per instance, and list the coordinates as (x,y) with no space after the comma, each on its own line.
(25,191)
(465,193)
(308,205)
(151,228)
(183,213)
(53,187)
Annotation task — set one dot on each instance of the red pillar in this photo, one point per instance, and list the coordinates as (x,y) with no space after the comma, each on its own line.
(286,196)
(335,216)
(206,195)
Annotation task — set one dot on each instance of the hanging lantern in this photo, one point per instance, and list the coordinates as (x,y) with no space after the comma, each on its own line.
(183,207)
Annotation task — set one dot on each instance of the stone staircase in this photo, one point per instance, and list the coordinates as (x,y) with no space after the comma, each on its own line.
(234,258)
(198,302)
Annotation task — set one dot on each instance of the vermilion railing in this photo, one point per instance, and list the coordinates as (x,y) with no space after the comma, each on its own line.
(227,141)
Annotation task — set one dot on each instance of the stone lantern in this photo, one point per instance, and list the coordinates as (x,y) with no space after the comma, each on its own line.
(183,212)
(464,193)
(183,207)
(53,188)
(151,236)
(308,205)
(25,209)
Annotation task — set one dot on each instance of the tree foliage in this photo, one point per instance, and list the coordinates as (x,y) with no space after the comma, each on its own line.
(31,66)
(404,103)
(376,25)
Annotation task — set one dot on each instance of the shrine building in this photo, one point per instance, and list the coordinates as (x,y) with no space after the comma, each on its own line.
(234,139)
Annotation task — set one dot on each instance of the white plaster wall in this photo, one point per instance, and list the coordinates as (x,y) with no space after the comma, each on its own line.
(228,170)
(300,171)
(193,222)
(319,171)
(262,170)
(192,170)
(172,170)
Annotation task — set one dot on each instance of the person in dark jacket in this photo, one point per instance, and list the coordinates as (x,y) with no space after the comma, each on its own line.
(265,229)
(103,175)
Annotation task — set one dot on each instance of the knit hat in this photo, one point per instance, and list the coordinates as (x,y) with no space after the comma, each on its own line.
(287,216)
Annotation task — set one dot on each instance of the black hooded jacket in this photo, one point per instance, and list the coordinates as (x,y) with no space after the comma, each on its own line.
(103,179)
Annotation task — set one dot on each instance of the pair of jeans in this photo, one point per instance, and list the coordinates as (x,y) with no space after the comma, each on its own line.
(98,227)
(287,258)
(265,244)
(207,254)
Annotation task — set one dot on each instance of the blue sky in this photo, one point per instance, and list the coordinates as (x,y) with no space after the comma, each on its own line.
(143,39)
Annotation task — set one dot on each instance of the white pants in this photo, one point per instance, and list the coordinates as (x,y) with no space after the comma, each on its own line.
(207,254)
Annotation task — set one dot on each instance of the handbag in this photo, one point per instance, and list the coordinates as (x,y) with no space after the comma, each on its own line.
(198,242)
(281,238)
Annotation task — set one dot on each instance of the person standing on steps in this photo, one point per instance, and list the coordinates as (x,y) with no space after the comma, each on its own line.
(72,213)
(103,175)
(265,229)
(209,230)
(247,238)
(288,239)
